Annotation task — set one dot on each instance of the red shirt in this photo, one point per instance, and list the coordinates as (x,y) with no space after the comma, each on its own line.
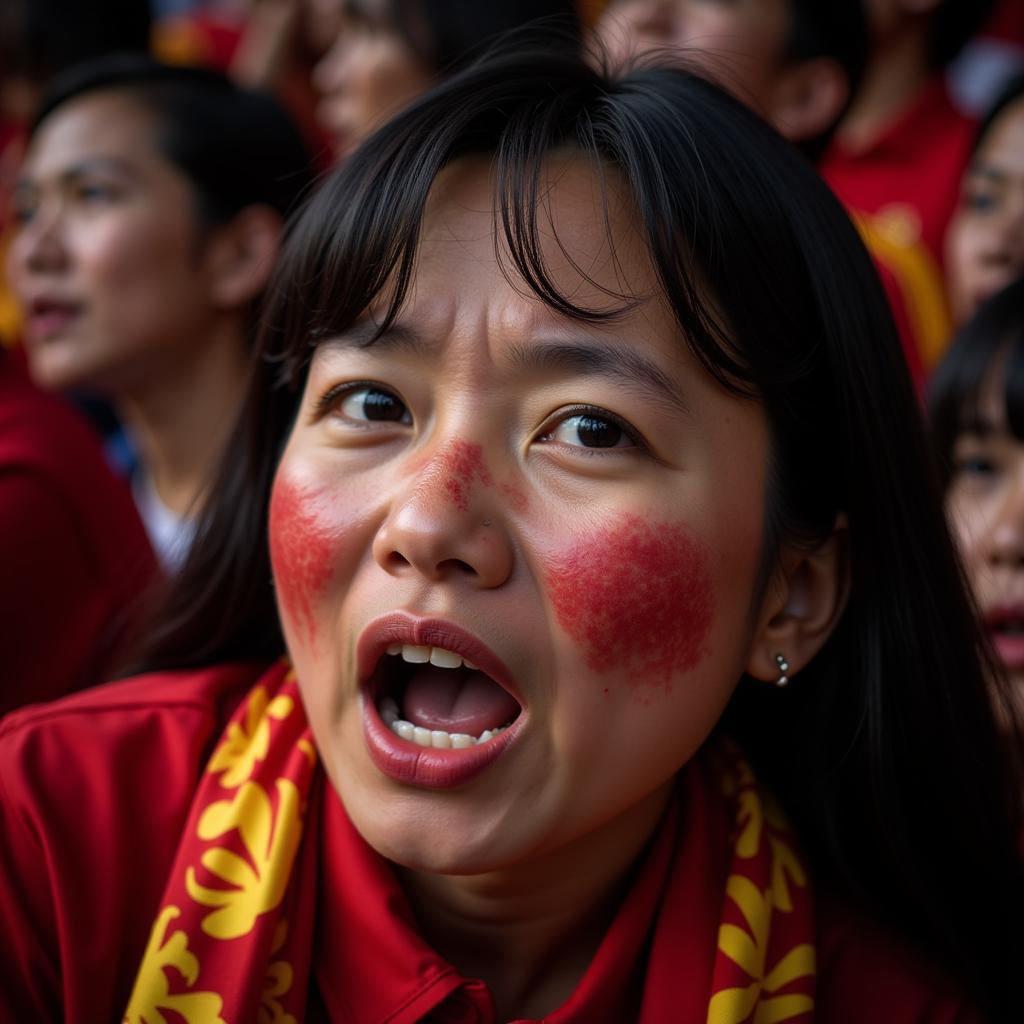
(94,793)
(74,553)
(902,191)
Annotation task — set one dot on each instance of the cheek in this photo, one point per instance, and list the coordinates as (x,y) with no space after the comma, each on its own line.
(134,260)
(305,535)
(637,598)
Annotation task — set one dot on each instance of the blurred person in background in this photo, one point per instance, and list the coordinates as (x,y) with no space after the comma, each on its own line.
(74,558)
(39,39)
(898,155)
(796,62)
(149,212)
(976,406)
(386,53)
(985,240)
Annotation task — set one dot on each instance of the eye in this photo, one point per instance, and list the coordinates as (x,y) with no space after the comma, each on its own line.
(976,466)
(590,428)
(92,192)
(366,403)
(980,202)
(22,211)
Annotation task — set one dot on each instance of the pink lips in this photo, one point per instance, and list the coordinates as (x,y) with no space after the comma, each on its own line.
(410,763)
(1009,646)
(48,318)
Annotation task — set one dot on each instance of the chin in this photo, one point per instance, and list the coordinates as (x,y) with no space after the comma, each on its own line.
(422,839)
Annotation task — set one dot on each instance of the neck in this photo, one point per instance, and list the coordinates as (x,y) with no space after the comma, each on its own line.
(896,73)
(181,418)
(529,932)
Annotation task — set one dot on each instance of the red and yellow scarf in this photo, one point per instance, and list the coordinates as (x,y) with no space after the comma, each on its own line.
(233,939)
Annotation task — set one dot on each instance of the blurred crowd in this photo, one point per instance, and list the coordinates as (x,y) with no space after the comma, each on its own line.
(150,155)
(153,156)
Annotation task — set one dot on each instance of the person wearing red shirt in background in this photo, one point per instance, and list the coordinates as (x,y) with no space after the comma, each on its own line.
(149,211)
(796,62)
(74,555)
(556,645)
(898,155)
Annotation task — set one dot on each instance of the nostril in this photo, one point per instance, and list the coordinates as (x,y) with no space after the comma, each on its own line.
(457,565)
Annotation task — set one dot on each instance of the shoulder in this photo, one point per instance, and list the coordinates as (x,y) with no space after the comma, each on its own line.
(51,461)
(170,710)
(865,973)
(95,790)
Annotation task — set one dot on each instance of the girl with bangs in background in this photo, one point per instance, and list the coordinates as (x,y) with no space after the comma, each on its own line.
(574,632)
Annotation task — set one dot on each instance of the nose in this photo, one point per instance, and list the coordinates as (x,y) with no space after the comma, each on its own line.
(328,72)
(447,523)
(1006,242)
(1006,534)
(38,246)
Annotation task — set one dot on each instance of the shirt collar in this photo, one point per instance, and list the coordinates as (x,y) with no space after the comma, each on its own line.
(371,964)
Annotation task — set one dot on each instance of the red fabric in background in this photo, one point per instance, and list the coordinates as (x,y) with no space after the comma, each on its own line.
(903,190)
(74,554)
(916,162)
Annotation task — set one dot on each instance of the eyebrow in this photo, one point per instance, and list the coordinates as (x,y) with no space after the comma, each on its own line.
(595,359)
(989,172)
(590,358)
(82,169)
(364,334)
(980,426)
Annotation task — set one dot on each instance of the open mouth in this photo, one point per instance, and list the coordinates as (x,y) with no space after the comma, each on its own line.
(434,697)
(1008,627)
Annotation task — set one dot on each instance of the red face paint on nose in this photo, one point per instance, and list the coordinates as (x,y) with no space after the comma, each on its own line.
(301,547)
(637,597)
(463,463)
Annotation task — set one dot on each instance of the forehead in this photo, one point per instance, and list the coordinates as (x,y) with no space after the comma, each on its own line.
(95,124)
(586,233)
(1004,141)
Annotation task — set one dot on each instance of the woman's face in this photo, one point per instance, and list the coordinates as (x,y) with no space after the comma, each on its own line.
(741,42)
(370,73)
(569,515)
(985,240)
(106,259)
(985,502)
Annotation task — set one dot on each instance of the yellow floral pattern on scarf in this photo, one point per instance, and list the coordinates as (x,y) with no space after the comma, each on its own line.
(230,896)
(152,994)
(255,883)
(761,827)
(248,742)
(251,879)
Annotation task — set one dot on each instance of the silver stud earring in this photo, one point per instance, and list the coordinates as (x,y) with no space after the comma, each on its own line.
(780,660)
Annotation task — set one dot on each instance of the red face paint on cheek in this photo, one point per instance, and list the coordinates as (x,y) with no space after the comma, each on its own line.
(637,597)
(302,546)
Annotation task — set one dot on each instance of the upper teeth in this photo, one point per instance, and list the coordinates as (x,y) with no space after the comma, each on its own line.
(416,655)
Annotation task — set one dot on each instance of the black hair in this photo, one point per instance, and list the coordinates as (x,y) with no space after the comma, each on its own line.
(884,749)
(1011,92)
(40,38)
(952,25)
(994,334)
(236,146)
(838,29)
(447,34)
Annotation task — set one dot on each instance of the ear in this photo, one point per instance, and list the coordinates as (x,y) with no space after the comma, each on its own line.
(808,98)
(802,604)
(241,254)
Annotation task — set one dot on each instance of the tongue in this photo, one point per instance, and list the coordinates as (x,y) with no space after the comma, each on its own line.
(457,700)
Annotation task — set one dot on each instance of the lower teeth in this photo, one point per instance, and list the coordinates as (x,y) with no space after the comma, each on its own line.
(437,738)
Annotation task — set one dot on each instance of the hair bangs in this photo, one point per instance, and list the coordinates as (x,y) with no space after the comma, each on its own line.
(991,342)
(355,245)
